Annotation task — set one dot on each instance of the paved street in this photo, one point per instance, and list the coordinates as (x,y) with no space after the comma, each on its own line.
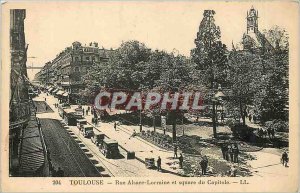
(266,164)
(112,167)
(65,152)
(42,107)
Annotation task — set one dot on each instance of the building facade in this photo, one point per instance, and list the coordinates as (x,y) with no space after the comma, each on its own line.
(253,39)
(67,69)
(27,152)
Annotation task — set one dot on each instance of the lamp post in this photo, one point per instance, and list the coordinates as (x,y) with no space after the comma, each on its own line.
(141,127)
(217,97)
(214,117)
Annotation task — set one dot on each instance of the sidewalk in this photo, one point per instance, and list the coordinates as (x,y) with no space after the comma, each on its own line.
(142,148)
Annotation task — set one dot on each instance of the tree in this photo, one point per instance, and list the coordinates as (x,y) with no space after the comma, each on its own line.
(174,77)
(273,97)
(245,78)
(210,53)
(278,37)
(122,71)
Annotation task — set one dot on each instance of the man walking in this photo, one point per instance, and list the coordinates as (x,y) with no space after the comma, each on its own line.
(235,151)
(230,152)
(175,151)
(224,149)
(96,121)
(285,159)
(115,126)
(180,160)
(158,163)
(204,164)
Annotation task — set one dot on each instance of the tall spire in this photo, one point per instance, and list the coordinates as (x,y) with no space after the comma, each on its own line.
(252,20)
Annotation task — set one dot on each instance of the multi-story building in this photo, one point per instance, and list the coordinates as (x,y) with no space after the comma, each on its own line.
(67,69)
(27,152)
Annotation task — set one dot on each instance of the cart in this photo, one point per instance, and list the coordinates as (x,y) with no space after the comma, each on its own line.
(109,148)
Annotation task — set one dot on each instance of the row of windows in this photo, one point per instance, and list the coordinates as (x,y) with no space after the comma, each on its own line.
(86,58)
(76,69)
(83,69)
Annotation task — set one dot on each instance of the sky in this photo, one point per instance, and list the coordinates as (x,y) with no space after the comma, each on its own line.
(165,25)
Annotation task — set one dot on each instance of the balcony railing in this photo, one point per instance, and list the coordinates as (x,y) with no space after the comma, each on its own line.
(19,112)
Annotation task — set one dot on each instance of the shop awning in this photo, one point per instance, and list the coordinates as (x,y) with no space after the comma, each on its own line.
(32,151)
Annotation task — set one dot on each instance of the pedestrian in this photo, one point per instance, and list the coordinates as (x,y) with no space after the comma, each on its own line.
(46,107)
(96,121)
(284,159)
(133,134)
(45,99)
(115,125)
(60,172)
(230,152)
(175,150)
(204,164)
(158,163)
(82,111)
(235,151)
(224,149)
(180,160)
(233,171)
(87,112)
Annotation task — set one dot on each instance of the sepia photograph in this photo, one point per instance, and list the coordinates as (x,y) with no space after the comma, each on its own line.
(150,91)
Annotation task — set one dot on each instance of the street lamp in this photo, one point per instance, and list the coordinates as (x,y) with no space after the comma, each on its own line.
(217,97)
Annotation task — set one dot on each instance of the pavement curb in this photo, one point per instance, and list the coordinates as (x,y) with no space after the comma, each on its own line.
(137,158)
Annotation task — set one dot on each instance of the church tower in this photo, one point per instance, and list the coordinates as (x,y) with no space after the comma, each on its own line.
(252,21)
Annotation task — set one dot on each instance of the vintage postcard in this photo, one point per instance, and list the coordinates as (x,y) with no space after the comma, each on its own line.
(149,96)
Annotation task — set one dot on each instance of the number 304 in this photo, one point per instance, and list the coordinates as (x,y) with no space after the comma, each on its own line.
(56,182)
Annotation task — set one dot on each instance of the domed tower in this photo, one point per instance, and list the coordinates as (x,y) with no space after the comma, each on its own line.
(252,21)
